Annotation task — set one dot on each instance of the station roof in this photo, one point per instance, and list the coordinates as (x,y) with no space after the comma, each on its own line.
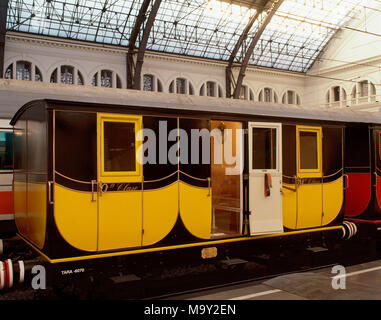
(292,40)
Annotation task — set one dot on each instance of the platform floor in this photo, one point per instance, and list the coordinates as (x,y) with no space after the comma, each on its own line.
(362,282)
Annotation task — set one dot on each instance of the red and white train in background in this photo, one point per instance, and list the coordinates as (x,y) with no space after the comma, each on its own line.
(7,225)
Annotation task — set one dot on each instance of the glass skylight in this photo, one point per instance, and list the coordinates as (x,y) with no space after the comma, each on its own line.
(201,28)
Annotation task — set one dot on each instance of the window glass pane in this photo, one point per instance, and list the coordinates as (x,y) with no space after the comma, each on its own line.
(38,76)
(336,94)
(8,72)
(94,81)
(268,95)
(67,75)
(119,146)
(147,82)
(210,89)
(23,70)
(53,77)
(80,79)
(106,78)
(291,97)
(264,148)
(6,151)
(308,150)
(180,85)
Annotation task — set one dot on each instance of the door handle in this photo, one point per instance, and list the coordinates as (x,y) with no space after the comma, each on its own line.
(93,182)
(50,193)
(209,184)
(346,186)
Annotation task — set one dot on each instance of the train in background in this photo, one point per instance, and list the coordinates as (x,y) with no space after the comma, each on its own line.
(82,198)
(7,225)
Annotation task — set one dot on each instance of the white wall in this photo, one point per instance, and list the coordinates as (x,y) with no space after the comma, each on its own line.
(47,54)
(352,56)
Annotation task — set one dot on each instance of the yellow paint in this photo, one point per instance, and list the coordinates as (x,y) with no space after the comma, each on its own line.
(332,200)
(76,217)
(309,196)
(196,210)
(19,201)
(309,173)
(289,206)
(309,206)
(120,220)
(36,203)
(160,212)
(120,213)
(188,245)
(127,176)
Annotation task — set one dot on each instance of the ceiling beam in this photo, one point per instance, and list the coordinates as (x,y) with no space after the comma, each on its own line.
(134,66)
(261,28)
(241,39)
(3,30)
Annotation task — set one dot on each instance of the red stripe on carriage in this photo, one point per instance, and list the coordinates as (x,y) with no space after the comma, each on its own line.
(6,202)
(357,196)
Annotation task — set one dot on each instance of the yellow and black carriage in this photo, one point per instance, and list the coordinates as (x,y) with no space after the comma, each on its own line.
(217,175)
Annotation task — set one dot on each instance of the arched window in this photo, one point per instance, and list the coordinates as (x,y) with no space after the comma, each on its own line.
(268,95)
(363,92)
(211,89)
(181,86)
(23,70)
(67,75)
(336,97)
(152,83)
(246,93)
(107,79)
(291,97)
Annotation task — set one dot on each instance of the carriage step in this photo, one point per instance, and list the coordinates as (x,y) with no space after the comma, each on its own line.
(317,249)
(233,262)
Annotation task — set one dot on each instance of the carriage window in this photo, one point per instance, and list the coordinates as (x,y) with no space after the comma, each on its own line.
(119,146)
(264,148)
(308,150)
(6,162)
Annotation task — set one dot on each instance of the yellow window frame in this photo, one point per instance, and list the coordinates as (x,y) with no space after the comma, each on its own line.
(137,121)
(309,173)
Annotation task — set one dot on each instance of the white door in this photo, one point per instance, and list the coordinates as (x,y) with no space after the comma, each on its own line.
(265,180)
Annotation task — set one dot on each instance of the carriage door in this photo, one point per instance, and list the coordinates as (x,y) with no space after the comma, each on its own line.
(309,177)
(119,182)
(265,181)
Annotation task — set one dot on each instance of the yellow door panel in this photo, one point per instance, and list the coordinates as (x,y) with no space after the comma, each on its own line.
(309,166)
(76,217)
(19,195)
(289,206)
(332,200)
(36,202)
(161,208)
(196,210)
(309,206)
(120,220)
(119,163)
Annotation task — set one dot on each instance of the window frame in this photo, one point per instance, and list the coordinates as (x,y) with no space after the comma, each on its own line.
(311,173)
(8,130)
(136,120)
(278,128)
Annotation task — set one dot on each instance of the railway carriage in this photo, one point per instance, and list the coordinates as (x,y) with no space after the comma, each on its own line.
(7,225)
(84,191)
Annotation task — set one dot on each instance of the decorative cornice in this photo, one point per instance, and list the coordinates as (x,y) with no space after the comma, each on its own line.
(347,66)
(104,48)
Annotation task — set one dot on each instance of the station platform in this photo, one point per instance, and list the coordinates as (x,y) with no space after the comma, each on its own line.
(360,282)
